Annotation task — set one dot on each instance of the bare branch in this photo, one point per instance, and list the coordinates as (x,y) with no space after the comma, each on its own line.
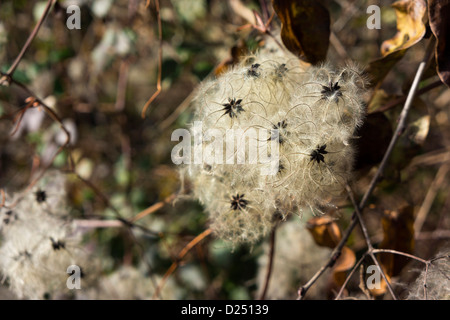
(7,78)
(158,83)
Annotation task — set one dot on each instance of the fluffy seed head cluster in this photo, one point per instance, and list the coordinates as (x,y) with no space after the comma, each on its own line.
(38,242)
(315,111)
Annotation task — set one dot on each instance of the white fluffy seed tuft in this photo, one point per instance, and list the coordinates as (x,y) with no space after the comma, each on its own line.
(316,111)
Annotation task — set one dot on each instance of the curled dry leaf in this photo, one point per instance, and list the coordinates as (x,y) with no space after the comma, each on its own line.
(373,139)
(379,68)
(410,30)
(326,233)
(305,28)
(439,17)
(410,27)
(398,234)
(237,52)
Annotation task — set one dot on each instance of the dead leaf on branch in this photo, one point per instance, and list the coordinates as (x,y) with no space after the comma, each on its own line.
(381,287)
(439,17)
(410,27)
(305,28)
(326,233)
(236,53)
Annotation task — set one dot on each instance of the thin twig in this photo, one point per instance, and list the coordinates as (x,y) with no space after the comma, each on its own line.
(426,262)
(94,224)
(399,253)
(34,102)
(122,85)
(425,293)
(244,12)
(339,47)
(401,122)
(94,188)
(433,235)
(431,158)
(117,223)
(348,12)
(375,251)
(264,9)
(20,114)
(54,117)
(176,113)
(335,254)
(270,266)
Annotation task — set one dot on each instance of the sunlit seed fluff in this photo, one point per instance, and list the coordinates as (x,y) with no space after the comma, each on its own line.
(38,243)
(315,110)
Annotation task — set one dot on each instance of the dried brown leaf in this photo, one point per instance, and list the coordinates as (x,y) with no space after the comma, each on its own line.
(439,17)
(410,27)
(325,231)
(305,28)
(373,138)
